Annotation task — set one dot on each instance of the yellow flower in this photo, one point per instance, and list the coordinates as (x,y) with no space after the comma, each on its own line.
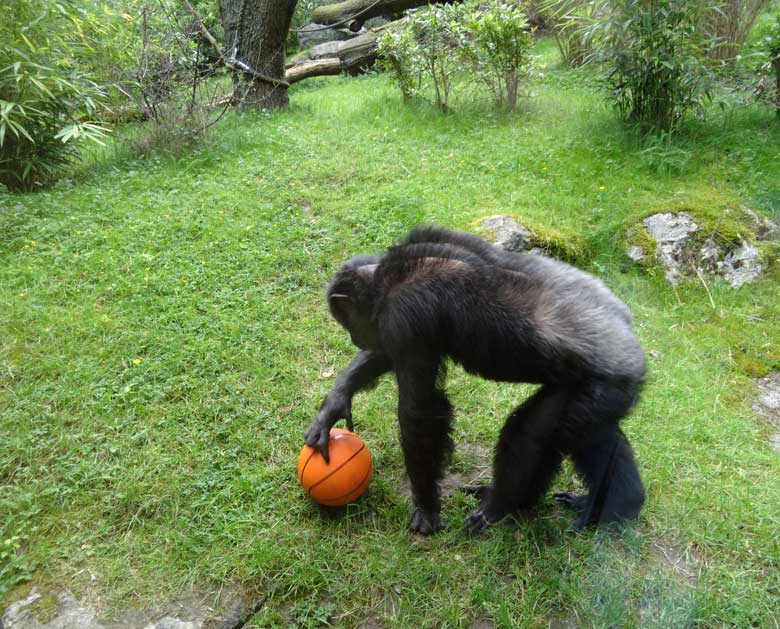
(136,361)
(601,187)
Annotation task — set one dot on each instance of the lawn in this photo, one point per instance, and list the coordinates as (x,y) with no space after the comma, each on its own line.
(164,342)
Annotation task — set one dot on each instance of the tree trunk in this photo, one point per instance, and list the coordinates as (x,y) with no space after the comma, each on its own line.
(255,34)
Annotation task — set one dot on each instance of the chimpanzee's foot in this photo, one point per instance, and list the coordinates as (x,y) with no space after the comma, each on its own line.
(481,492)
(425,523)
(577,503)
(485,515)
(478,521)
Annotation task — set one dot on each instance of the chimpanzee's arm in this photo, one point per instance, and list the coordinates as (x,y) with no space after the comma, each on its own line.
(364,369)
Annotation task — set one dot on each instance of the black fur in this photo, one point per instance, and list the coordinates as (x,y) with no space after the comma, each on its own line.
(511,317)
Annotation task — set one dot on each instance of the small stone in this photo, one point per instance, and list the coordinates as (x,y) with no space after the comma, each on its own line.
(636,253)
(682,258)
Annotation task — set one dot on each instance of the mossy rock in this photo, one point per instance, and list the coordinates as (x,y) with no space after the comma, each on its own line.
(45,609)
(721,239)
(543,240)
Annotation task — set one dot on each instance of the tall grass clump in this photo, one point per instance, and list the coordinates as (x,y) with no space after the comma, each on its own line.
(49,103)
(651,55)
(727,23)
(768,89)
(571,23)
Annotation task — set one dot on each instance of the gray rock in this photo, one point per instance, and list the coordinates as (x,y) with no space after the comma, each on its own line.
(69,614)
(636,253)
(328,49)
(314,34)
(768,404)
(709,256)
(766,228)
(741,266)
(678,253)
(195,610)
(508,233)
(376,22)
(672,233)
(174,623)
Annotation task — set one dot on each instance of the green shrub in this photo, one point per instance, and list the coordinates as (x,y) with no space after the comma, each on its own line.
(48,103)
(401,57)
(498,45)
(424,50)
(652,57)
(440,46)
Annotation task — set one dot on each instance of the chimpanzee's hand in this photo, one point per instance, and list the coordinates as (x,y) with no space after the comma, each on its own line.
(334,407)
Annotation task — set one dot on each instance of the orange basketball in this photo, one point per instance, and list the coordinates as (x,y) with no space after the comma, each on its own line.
(342,480)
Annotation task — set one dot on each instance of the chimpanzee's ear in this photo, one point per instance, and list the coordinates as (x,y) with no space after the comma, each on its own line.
(366,272)
(340,304)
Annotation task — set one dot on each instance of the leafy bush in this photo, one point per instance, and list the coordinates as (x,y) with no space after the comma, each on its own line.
(48,103)
(440,44)
(498,46)
(652,54)
(401,56)
(424,48)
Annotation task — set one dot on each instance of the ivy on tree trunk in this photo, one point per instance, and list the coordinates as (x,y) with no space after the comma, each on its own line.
(255,36)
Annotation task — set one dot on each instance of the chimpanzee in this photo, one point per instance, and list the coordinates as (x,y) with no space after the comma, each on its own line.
(506,316)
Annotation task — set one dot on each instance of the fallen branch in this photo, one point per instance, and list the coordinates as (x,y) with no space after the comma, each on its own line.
(317,67)
(350,56)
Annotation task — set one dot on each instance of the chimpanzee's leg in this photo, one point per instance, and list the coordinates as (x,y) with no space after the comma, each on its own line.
(602,454)
(608,468)
(425,417)
(526,458)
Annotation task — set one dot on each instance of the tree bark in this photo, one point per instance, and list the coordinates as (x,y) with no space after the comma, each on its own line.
(333,13)
(255,34)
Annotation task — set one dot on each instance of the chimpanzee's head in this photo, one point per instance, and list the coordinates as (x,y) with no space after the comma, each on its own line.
(351,298)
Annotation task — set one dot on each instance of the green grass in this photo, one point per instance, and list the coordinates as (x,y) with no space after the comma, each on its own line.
(164,343)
